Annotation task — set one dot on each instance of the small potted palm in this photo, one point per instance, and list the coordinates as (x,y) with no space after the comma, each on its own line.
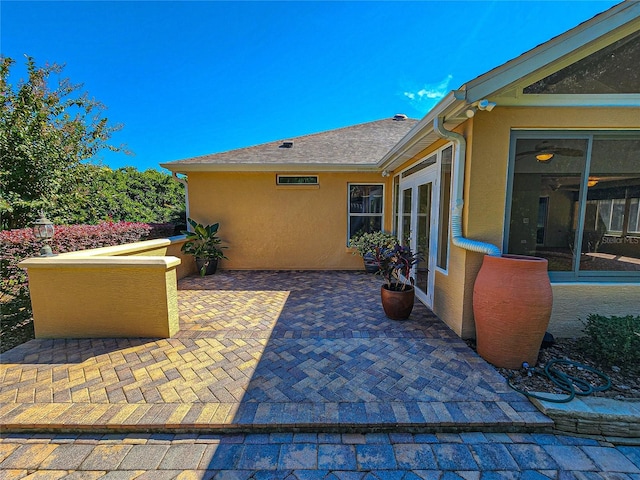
(367,244)
(204,244)
(397,293)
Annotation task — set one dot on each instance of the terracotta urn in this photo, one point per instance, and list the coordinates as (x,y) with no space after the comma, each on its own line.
(512,302)
(397,304)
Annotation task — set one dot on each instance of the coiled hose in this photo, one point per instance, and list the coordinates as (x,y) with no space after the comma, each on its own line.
(567,383)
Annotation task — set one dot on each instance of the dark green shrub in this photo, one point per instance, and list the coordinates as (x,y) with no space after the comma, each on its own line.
(613,340)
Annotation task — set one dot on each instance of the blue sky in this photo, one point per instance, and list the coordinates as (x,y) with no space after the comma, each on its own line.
(192,78)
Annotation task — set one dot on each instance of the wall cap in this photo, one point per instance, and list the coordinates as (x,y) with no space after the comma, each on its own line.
(127,248)
(92,261)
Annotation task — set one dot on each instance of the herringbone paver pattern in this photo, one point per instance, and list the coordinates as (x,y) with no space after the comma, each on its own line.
(268,350)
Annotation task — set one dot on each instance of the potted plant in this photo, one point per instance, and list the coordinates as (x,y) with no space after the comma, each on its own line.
(204,244)
(367,244)
(397,293)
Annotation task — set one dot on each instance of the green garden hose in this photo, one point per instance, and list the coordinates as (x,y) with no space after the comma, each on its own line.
(567,383)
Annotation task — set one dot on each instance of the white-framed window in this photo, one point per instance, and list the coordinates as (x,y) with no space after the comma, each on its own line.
(444,158)
(366,208)
(611,212)
(297,180)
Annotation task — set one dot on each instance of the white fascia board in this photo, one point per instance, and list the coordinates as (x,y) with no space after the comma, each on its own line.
(542,57)
(398,154)
(268,167)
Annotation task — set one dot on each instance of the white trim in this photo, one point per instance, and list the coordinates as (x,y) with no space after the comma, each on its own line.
(397,155)
(369,214)
(451,145)
(414,182)
(429,174)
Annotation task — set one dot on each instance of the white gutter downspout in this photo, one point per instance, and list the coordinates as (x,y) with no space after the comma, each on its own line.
(186,195)
(458,191)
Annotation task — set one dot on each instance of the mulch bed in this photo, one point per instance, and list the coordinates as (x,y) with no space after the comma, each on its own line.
(12,335)
(625,379)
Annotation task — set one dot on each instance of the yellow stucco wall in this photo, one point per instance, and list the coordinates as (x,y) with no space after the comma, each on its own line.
(187,262)
(485,199)
(488,137)
(119,291)
(159,247)
(280,227)
(576,301)
(103,297)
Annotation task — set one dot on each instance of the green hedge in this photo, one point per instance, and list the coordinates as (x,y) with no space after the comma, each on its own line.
(613,340)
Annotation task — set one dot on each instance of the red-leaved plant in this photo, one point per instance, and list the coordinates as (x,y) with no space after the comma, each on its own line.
(16,245)
(395,266)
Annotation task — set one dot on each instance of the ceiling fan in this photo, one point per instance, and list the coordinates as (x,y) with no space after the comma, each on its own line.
(545,151)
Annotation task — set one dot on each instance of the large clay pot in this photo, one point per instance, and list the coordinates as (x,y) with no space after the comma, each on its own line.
(512,301)
(397,304)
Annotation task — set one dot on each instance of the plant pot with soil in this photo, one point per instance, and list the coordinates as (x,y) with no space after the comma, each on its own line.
(398,293)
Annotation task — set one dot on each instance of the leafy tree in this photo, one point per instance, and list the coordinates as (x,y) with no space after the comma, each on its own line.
(46,133)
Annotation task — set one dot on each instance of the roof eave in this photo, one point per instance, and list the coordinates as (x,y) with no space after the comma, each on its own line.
(450,106)
(178,167)
(615,21)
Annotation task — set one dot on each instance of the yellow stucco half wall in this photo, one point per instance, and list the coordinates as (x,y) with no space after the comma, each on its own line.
(161,247)
(270,227)
(96,299)
(119,291)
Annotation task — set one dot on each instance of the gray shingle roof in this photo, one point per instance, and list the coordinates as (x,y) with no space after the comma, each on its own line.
(358,146)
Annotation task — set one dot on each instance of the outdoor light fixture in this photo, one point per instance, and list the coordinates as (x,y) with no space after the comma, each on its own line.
(482,105)
(592,182)
(43,230)
(544,156)
(486,105)
(385,173)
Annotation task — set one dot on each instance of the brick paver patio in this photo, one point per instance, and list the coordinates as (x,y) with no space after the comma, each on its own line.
(266,351)
(315,456)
